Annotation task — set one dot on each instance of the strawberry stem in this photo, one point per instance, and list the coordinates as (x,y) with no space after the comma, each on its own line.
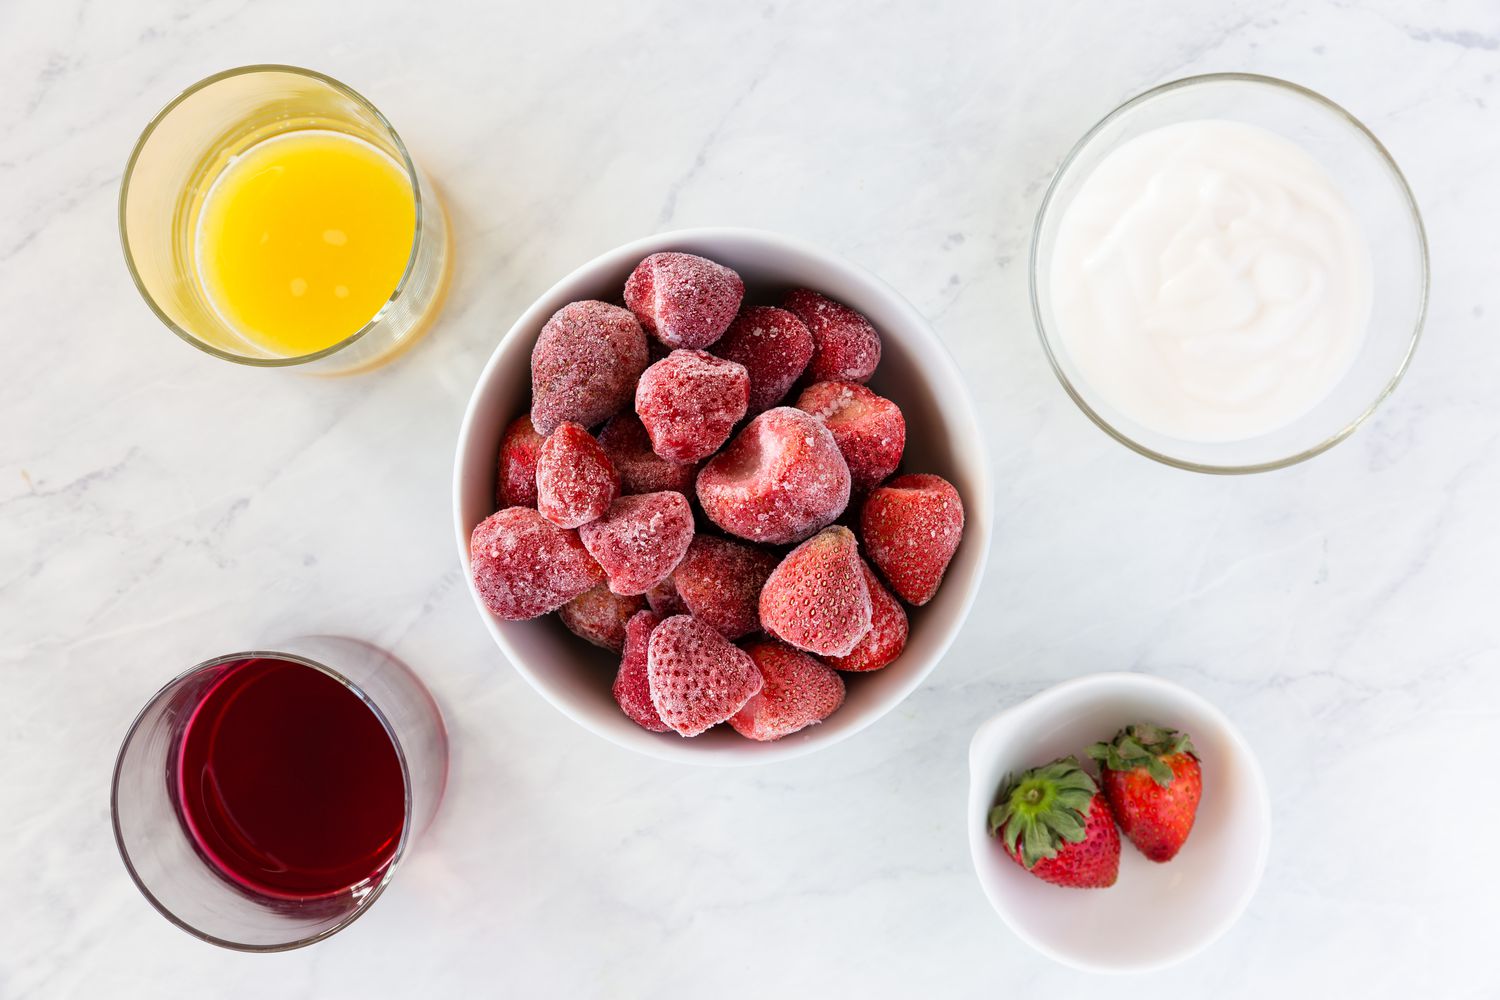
(1043,809)
(1143,745)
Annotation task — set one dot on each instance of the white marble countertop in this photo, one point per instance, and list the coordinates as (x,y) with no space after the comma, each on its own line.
(160,506)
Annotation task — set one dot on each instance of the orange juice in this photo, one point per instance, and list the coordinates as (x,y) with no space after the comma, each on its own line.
(303,237)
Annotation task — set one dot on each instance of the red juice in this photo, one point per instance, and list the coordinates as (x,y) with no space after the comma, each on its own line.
(289,783)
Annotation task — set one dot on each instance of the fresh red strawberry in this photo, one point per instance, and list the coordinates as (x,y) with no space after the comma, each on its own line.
(697,678)
(1153,782)
(817,598)
(1054,822)
(911,527)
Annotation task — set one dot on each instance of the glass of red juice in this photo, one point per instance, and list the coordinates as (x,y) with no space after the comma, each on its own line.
(263,800)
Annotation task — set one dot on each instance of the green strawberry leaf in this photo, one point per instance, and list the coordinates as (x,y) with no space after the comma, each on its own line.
(1143,745)
(1159,771)
(1043,809)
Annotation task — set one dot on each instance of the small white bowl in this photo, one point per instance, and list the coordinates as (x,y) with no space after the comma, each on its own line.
(1156,914)
(943,437)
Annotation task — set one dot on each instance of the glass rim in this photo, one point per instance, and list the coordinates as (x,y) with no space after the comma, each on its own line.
(1402,186)
(370,895)
(407,164)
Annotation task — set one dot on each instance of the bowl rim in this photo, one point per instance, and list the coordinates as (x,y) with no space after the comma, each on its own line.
(1402,186)
(979,839)
(978,509)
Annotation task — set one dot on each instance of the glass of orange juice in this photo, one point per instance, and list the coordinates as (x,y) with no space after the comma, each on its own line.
(271,216)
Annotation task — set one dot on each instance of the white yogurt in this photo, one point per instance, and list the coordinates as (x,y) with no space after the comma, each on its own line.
(1210,281)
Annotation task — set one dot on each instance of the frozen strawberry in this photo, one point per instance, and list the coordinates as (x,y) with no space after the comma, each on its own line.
(525,566)
(575,482)
(585,365)
(520,447)
(847,346)
(632,688)
(640,540)
(887,636)
(869,429)
(642,470)
(796,692)
(664,599)
(599,615)
(697,678)
(774,346)
(780,480)
(911,527)
(689,402)
(817,599)
(719,582)
(686,301)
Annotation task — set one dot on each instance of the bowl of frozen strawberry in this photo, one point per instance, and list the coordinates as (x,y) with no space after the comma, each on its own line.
(720,497)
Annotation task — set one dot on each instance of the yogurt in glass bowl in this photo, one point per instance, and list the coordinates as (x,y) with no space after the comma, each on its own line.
(1229,273)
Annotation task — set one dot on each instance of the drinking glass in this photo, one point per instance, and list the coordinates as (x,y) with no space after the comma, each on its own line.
(166,861)
(187,146)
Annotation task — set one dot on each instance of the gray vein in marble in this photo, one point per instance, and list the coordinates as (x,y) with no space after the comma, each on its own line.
(1463,39)
(700,159)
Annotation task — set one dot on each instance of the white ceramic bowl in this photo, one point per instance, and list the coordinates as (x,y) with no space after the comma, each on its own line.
(943,437)
(1156,914)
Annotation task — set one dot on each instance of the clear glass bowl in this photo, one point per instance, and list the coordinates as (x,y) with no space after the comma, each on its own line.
(1377,194)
